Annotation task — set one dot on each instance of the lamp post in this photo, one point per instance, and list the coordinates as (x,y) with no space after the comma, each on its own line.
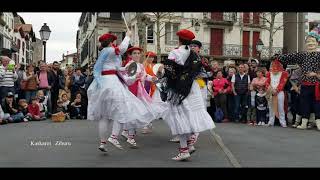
(44,34)
(259,47)
(196,25)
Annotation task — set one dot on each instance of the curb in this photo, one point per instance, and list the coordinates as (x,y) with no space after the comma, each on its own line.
(227,152)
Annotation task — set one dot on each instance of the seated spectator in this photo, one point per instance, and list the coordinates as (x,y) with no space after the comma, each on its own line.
(66,105)
(76,111)
(23,107)
(42,101)
(34,110)
(10,107)
(3,117)
(220,89)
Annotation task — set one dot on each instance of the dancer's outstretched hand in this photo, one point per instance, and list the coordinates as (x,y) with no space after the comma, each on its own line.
(129,34)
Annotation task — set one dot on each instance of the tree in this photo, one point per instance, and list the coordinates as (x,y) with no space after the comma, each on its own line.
(142,22)
(271,26)
(160,19)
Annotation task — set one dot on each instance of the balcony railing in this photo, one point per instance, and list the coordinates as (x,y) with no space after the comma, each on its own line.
(234,50)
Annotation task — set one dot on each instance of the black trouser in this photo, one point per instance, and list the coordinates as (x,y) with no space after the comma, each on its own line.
(294,105)
(241,105)
(261,116)
(308,102)
(230,106)
(54,99)
(221,102)
(212,108)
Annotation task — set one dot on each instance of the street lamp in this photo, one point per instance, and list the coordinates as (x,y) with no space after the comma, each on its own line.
(44,34)
(196,25)
(259,47)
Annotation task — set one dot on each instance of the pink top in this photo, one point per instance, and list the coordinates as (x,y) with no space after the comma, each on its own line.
(259,82)
(220,84)
(43,78)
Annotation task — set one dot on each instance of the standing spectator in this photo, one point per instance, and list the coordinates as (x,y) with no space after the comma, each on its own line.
(18,90)
(10,108)
(32,83)
(78,81)
(259,82)
(45,84)
(230,95)
(220,89)
(57,77)
(67,85)
(246,68)
(8,76)
(253,68)
(240,87)
(89,78)
(214,69)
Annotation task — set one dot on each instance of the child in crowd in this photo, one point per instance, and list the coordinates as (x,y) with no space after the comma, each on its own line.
(34,110)
(23,107)
(261,107)
(76,107)
(66,105)
(42,102)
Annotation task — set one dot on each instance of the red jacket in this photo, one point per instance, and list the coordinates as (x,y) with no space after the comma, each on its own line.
(34,110)
(220,84)
(282,83)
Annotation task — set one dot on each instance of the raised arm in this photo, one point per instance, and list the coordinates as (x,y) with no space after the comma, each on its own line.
(125,43)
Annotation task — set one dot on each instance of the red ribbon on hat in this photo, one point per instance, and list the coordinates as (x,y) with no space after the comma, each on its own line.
(116,49)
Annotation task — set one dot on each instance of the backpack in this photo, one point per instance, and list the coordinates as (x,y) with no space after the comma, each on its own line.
(218,115)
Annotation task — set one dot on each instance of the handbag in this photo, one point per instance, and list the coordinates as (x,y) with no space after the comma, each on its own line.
(23,85)
(218,115)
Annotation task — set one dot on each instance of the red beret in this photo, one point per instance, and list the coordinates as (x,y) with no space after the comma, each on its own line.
(151,54)
(134,48)
(185,34)
(107,36)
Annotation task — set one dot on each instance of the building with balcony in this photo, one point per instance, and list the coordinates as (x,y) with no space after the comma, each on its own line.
(6,32)
(23,37)
(224,35)
(91,27)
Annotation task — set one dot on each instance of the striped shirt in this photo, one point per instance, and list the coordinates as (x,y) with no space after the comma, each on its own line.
(7,78)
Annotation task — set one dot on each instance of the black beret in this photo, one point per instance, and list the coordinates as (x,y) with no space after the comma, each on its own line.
(196,42)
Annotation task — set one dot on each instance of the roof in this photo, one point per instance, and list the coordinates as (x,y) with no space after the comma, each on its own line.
(27,28)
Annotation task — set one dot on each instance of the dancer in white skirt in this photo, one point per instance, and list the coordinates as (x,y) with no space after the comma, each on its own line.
(187,113)
(137,88)
(109,99)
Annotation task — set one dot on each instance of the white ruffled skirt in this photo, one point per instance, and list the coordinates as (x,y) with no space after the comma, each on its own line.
(190,116)
(113,101)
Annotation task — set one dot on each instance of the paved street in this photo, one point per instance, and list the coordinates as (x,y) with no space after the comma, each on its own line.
(271,146)
(155,150)
(243,144)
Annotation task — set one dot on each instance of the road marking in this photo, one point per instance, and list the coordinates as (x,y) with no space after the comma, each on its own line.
(228,153)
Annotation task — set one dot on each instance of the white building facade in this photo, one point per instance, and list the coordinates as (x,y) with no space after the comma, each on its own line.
(91,27)
(224,35)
